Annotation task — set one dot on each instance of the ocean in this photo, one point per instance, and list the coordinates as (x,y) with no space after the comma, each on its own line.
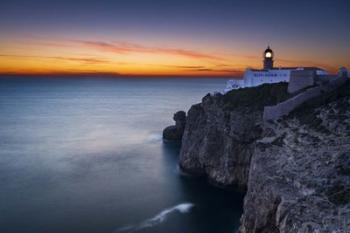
(85,155)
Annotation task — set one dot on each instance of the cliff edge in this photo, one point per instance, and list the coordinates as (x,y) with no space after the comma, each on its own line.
(221,133)
(295,171)
(175,132)
(299,179)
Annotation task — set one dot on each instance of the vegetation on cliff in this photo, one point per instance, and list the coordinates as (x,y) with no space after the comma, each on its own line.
(256,97)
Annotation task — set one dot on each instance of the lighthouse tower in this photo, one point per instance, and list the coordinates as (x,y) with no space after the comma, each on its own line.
(268,59)
(269,74)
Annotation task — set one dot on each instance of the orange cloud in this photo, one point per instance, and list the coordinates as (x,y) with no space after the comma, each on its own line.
(90,56)
(216,69)
(77,59)
(126,47)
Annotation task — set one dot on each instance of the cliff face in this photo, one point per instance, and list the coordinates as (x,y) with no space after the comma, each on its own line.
(175,132)
(296,170)
(220,133)
(215,145)
(299,177)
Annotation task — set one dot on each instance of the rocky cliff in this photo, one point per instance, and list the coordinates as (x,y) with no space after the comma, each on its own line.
(221,133)
(299,178)
(296,171)
(175,132)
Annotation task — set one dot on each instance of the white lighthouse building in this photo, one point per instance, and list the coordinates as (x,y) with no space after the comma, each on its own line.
(269,74)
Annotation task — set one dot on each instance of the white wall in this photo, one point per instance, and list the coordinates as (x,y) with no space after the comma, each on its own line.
(256,78)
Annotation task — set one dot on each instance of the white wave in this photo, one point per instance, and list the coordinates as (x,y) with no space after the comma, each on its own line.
(159,218)
(155,137)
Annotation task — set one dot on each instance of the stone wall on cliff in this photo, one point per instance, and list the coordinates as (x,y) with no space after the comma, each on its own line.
(284,108)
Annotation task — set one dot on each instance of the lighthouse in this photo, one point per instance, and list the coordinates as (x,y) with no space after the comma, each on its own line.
(269,73)
(268,59)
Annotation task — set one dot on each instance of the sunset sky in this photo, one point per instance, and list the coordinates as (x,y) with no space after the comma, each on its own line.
(162,37)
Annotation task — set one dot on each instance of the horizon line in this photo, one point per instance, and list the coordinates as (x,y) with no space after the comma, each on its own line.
(117,75)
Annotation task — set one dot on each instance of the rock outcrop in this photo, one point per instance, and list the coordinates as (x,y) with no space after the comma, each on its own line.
(220,133)
(295,171)
(299,177)
(175,132)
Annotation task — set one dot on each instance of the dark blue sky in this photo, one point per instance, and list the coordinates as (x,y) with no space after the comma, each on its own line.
(321,17)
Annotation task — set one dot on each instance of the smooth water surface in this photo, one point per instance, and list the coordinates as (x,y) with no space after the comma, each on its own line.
(81,155)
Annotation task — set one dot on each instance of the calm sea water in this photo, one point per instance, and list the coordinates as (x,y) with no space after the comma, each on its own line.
(81,155)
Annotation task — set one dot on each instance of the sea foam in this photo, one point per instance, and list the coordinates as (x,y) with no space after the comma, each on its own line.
(154,137)
(159,218)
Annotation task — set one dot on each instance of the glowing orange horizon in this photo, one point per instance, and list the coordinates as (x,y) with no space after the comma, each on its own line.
(120,58)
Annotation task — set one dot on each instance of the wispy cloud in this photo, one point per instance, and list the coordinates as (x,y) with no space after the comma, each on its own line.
(127,47)
(182,66)
(227,70)
(85,60)
(84,52)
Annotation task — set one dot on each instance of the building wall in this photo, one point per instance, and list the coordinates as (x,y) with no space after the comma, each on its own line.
(321,72)
(234,84)
(256,78)
(300,79)
(253,78)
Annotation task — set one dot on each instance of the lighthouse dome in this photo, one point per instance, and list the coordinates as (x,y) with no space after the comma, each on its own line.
(268,50)
(268,58)
(268,53)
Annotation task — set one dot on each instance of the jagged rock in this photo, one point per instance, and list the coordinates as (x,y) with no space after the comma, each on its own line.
(220,133)
(302,183)
(180,120)
(296,170)
(175,132)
